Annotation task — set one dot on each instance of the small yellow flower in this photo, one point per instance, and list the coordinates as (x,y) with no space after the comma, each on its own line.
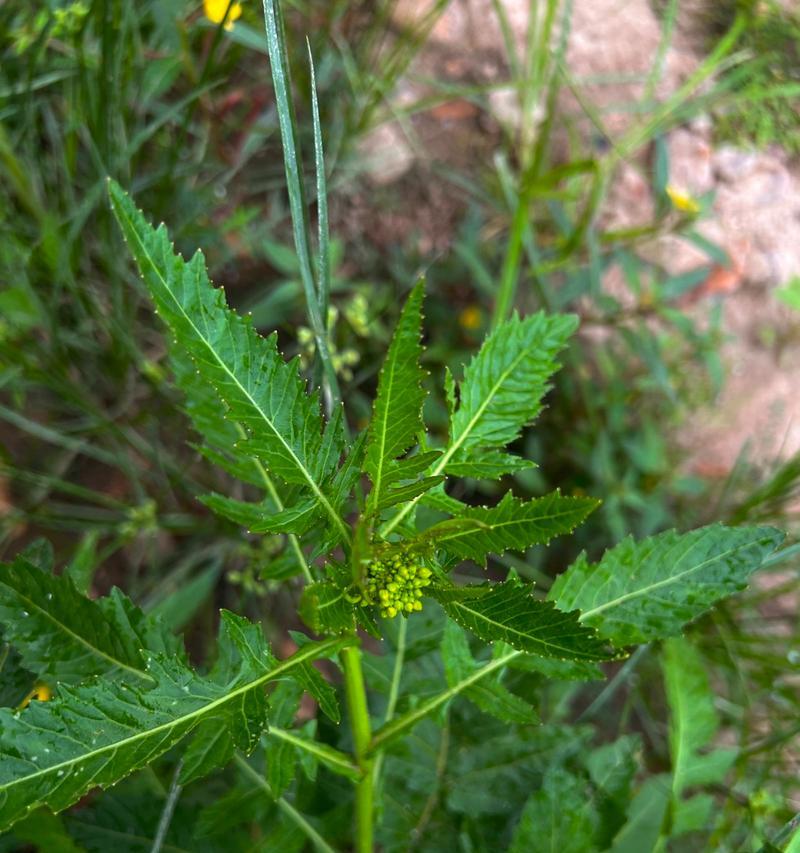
(682,200)
(470,318)
(41,692)
(215,11)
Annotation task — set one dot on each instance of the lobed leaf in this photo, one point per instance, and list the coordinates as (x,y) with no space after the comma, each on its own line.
(641,591)
(262,517)
(489,465)
(501,392)
(508,611)
(61,635)
(262,393)
(504,383)
(397,411)
(53,753)
(512,524)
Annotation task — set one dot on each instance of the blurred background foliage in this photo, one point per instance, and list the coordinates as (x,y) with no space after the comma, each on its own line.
(93,440)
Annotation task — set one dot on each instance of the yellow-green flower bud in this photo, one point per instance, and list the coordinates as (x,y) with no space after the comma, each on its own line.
(395,584)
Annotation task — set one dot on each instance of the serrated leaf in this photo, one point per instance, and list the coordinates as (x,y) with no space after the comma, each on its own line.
(512,524)
(63,636)
(53,753)
(641,591)
(488,694)
(559,816)
(508,611)
(397,410)
(558,670)
(319,689)
(501,392)
(407,492)
(16,682)
(261,517)
(210,418)
(489,465)
(264,394)
(504,383)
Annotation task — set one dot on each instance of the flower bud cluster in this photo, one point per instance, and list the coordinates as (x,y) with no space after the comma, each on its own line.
(395,584)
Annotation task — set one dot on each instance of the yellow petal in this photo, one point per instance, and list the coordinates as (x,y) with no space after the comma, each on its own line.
(682,200)
(215,12)
(41,692)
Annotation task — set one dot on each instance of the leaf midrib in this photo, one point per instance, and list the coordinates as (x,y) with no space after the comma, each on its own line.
(34,605)
(628,596)
(300,657)
(391,730)
(301,467)
(507,628)
(384,430)
(456,445)
(480,524)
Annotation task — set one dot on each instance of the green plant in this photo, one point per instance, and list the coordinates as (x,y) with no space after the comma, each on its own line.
(461,698)
(258,421)
(763,107)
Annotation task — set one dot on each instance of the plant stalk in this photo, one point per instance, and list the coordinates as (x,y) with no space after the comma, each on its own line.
(360,726)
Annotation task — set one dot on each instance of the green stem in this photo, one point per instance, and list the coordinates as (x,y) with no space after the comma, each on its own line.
(394,692)
(511,264)
(337,761)
(360,726)
(169,809)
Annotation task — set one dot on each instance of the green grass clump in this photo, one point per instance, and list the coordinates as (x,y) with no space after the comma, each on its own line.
(765,108)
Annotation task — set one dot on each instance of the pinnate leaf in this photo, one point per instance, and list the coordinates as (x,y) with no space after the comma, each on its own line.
(512,524)
(641,591)
(504,383)
(508,611)
(397,410)
(95,734)
(63,636)
(262,516)
(263,394)
(489,465)
(500,393)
